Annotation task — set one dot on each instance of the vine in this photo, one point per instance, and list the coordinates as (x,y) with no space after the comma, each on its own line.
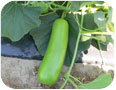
(52,7)
(82,31)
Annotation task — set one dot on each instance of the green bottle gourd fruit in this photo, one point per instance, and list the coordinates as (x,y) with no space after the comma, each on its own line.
(53,60)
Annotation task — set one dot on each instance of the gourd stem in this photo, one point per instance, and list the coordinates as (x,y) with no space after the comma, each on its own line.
(65,12)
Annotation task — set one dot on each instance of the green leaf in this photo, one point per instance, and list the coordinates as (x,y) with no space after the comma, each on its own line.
(42,4)
(18,20)
(73,33)
(100,2)
(100,20)
(101,38)
(101,82)
(76,5)
(95,44)
(89,22)
(89,3)
(110,10)
(41,34)
(108,40)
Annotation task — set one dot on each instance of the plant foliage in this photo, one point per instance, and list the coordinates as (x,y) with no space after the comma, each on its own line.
(88,20)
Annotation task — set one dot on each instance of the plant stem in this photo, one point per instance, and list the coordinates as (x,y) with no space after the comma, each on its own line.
(72,83)
(76,79)
(88,30)
(63,3)
(64,13)
(76,47)
(105,33)
(99,28)
(75,52)
(60,6)
(63,84)
(82,19)
(65,9)
(100,49)
(47,13)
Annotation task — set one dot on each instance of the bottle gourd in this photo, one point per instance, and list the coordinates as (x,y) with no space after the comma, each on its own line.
(53,60)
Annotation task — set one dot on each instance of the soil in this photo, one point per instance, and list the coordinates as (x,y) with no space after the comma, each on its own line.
(22,74)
